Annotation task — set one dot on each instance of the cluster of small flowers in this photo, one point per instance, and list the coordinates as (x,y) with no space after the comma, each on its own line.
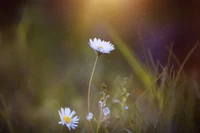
(102,104)
(124,98)
(66,115)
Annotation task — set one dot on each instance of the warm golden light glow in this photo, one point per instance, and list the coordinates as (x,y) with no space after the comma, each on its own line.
(106,2)
(98,11)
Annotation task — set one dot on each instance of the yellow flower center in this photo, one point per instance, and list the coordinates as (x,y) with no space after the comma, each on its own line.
(67,119)
(100,46)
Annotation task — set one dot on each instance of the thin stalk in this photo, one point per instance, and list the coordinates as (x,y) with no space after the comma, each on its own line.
(122,112)
(186,59)
(61,129)
(150,86)
(90,82)
(99,121)
(104,98)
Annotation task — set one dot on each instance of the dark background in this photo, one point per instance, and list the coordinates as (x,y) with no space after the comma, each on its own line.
(159,23)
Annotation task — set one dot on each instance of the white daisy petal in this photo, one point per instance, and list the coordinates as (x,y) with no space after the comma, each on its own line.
(61,122)
(60,114)
(75,118)
(68,126)
(74,125)
(75,122)
(67,111)
(62,111)
(72,113)
(91,41)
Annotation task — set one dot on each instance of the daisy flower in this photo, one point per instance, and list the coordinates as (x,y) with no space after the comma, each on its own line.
(89,117)
(101,46)
(66,117)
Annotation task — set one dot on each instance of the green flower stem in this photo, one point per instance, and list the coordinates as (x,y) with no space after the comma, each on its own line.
(99,121)
(122,108)
(61,129)
(90,82)
(101,112)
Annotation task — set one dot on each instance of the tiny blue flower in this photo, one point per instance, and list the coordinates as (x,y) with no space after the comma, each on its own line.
(101,104)
(116,101)
(106,111)
(108,96)
(89,117)
(127,94)
(126,107)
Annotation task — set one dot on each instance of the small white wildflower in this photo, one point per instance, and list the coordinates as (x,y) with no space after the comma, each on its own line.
(108,96)
(66,117)
(101,46)
(89,117)
(127,94)
(101,104)
(116,101)
(126,107)
(106,111)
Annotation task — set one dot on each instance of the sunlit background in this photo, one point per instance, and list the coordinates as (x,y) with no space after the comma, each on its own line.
(46,62)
